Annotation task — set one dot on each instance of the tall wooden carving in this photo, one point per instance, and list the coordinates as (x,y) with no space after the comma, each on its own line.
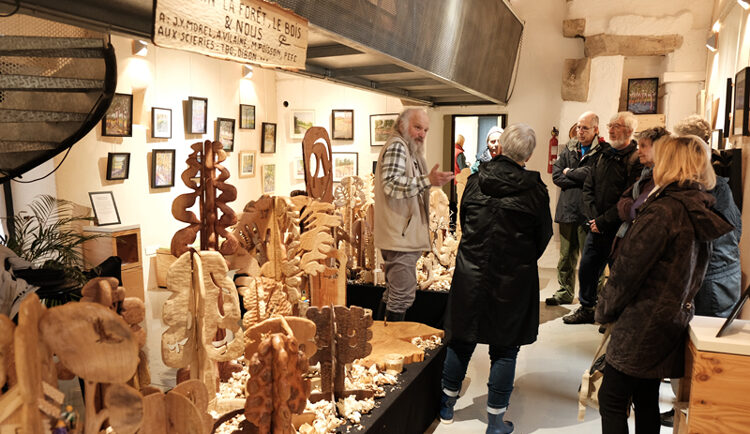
(203,162)
(342,336)
(204,302)
(318,179)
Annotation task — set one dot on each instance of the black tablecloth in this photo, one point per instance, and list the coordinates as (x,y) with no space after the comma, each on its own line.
(410,406)
(428,308)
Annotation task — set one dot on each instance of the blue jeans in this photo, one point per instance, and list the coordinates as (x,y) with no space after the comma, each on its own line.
(502,371)
(594,259)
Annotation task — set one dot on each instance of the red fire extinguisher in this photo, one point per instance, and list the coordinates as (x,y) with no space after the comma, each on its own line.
(552,150)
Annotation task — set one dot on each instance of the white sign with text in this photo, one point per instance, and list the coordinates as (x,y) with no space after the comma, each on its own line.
(246,31)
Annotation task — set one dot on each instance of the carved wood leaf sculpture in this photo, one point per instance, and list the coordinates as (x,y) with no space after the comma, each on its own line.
(204,162)
(178,342)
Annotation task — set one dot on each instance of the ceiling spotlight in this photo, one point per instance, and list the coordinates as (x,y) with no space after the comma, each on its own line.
(713,42)
(247,71)
(716,27)
(140,47)
(745,5)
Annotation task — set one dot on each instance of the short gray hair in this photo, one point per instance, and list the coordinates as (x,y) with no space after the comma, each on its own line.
(404,119)
(628,118)
(492,131)
(653,134)
(694,125)
(518,142)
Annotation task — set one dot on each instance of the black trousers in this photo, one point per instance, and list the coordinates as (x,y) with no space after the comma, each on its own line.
(615,395)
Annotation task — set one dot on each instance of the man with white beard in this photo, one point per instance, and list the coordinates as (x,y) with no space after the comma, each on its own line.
(402,209)
(616,168)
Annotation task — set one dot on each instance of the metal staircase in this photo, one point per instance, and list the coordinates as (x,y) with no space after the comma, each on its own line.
(53,91)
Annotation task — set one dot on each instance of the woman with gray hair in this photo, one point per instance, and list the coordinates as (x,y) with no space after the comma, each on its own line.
(494,298)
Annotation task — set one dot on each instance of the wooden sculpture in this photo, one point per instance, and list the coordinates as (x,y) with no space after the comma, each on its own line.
(105,291)
(184,410)
(435,270)
(27,367)
(276,388)
(204,302)
(350,198)
(98,346)
(397,338)
(342,336)
(316,149)
(202,163)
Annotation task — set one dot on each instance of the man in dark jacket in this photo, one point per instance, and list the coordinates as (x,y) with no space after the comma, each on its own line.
(494,299)
(616,168)
(569,172)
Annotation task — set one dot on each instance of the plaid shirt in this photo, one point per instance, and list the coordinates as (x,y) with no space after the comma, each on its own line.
(395,183)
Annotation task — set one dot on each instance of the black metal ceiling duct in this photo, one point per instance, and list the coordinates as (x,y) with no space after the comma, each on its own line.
(471,44)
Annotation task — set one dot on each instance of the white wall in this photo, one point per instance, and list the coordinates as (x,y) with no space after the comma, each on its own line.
(322,97)
(166,78)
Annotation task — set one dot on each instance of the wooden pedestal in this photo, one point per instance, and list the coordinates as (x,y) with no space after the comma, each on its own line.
(123,242)
(717,377)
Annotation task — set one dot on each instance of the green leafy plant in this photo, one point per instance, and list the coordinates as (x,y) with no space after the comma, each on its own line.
(46,235)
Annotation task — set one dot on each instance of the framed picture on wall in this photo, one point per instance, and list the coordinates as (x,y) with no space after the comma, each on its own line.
(299,169)
(342,124)
(643,95)
(105,209)
(741,103)
(118,120)
(381,127)
(225,133)
(197,115)
(268,138)
(247,117)
(247,164)
(161,123)
(344,164)
(118,165)
(269,178)
(300,122)
(162,168)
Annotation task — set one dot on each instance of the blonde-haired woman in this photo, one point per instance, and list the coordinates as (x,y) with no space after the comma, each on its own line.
(654,278)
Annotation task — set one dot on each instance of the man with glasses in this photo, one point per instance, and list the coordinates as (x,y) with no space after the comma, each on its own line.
(615,169)
(569,172)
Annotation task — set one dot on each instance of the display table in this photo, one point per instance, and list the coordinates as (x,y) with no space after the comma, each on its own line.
(717,379)
(410,406)
(428,308)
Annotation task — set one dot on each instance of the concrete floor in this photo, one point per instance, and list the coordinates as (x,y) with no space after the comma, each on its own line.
(548,373)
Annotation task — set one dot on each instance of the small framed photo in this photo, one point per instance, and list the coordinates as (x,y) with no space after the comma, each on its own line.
(381,127)
(162,168)
(269,178)
(342,124)
(225,133)
(299,169)
(118,120)
(301,121)
(118,165)
(161,123)
(105,209)
(741,118)
(643,95)
(268,138)
(247,164)
(197,115)
(344,164)
(247,117)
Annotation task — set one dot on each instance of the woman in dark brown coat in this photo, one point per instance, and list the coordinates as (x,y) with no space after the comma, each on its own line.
(658,270)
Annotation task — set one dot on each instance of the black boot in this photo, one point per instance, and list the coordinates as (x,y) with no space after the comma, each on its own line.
(394,316)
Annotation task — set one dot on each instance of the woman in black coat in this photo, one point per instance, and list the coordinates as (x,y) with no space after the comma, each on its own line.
(658,270)
(494,298)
